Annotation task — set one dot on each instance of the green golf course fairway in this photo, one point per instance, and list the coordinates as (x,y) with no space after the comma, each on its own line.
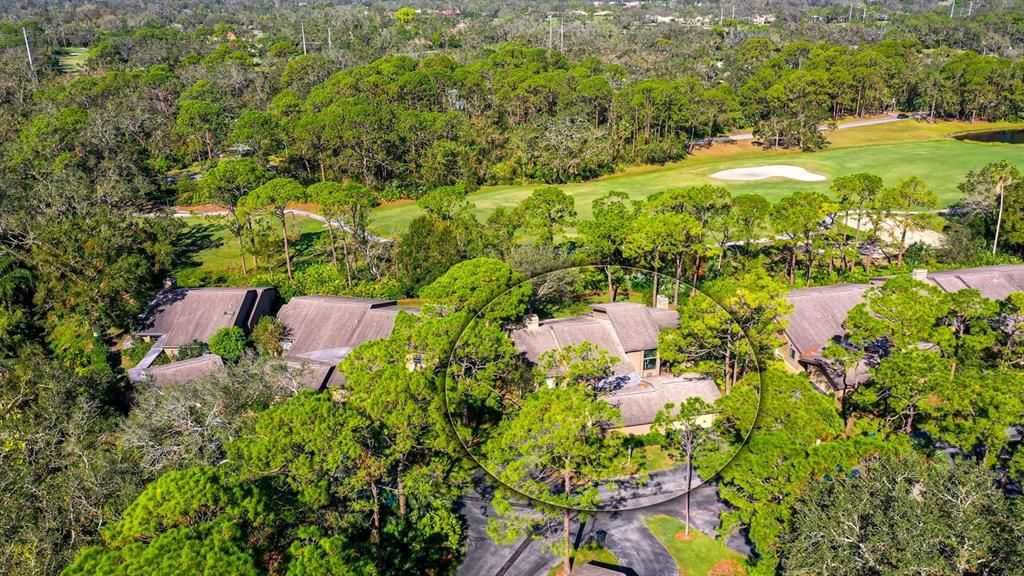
(893,151)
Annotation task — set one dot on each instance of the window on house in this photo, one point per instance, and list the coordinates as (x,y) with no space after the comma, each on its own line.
(651,359)
(792,353)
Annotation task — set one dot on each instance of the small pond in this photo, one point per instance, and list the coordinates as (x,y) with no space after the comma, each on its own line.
(1011,136)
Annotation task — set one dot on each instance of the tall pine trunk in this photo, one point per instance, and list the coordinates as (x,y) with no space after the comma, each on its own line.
(284,233)
(566,528)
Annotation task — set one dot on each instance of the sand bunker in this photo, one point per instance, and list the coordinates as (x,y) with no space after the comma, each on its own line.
(774,171)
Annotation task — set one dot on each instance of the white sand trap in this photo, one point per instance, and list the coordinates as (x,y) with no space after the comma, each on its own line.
(773,171)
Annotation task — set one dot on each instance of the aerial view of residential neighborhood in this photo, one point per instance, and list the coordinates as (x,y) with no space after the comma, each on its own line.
(512,288)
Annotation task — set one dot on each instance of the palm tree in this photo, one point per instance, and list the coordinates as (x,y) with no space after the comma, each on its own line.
(1004,174)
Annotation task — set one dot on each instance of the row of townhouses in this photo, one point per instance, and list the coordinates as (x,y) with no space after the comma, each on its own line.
(321,330)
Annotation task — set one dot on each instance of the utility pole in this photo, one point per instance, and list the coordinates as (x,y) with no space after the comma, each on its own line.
(951,8)
(733,12)
(561,34)
(721,14)
(970,8)
(330,44)
(850,17)
(303,26)
(864,16)
(28,49)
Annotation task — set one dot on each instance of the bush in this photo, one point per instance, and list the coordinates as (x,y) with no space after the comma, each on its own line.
(193,349)
(267,336)
(132,355)
(228,343)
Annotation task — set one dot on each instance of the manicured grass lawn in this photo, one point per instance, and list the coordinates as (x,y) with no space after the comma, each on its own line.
(893,151)
(72,58)
(212,249)
(589,552)
(696,556)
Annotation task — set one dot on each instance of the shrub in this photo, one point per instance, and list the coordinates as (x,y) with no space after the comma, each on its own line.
(132,355)
(193,349)
(228,343)
(267,336)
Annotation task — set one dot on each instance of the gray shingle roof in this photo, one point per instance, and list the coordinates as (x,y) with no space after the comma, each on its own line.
(561,332)
(616,328)
(184,371)
(635,325)
(312,375)
(187,314)
(326,328)
(640,404)
(818,315)
(995,282)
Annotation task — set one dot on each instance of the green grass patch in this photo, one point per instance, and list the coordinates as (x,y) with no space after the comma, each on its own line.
(589,552)
(210,251)
(699,555)
(893,151)
(653,458)
(71,60)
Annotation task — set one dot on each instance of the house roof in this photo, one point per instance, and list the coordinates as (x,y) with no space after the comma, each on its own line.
(183,315)
(184,370)
(818,315)
(312,375)
(560,332)
(327,328)
(617,328)
(994,282)
(636,325)
(641,403)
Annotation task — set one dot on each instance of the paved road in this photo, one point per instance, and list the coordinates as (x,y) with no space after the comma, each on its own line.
(842,126)
(525,557)
(626,532)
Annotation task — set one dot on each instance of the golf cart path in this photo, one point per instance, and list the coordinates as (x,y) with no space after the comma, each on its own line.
(180,212)
(842,126)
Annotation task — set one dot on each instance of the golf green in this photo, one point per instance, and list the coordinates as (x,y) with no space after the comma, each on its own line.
(891,151)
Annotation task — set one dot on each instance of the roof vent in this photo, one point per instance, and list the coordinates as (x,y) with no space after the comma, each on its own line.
(532,322)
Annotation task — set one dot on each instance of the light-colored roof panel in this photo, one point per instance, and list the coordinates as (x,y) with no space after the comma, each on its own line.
(639,404)
(312,375)
(635,327)
(598,332)
(995,282)
(187,314)
(318,323)
(664,318)
(818,315)
(184,371)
